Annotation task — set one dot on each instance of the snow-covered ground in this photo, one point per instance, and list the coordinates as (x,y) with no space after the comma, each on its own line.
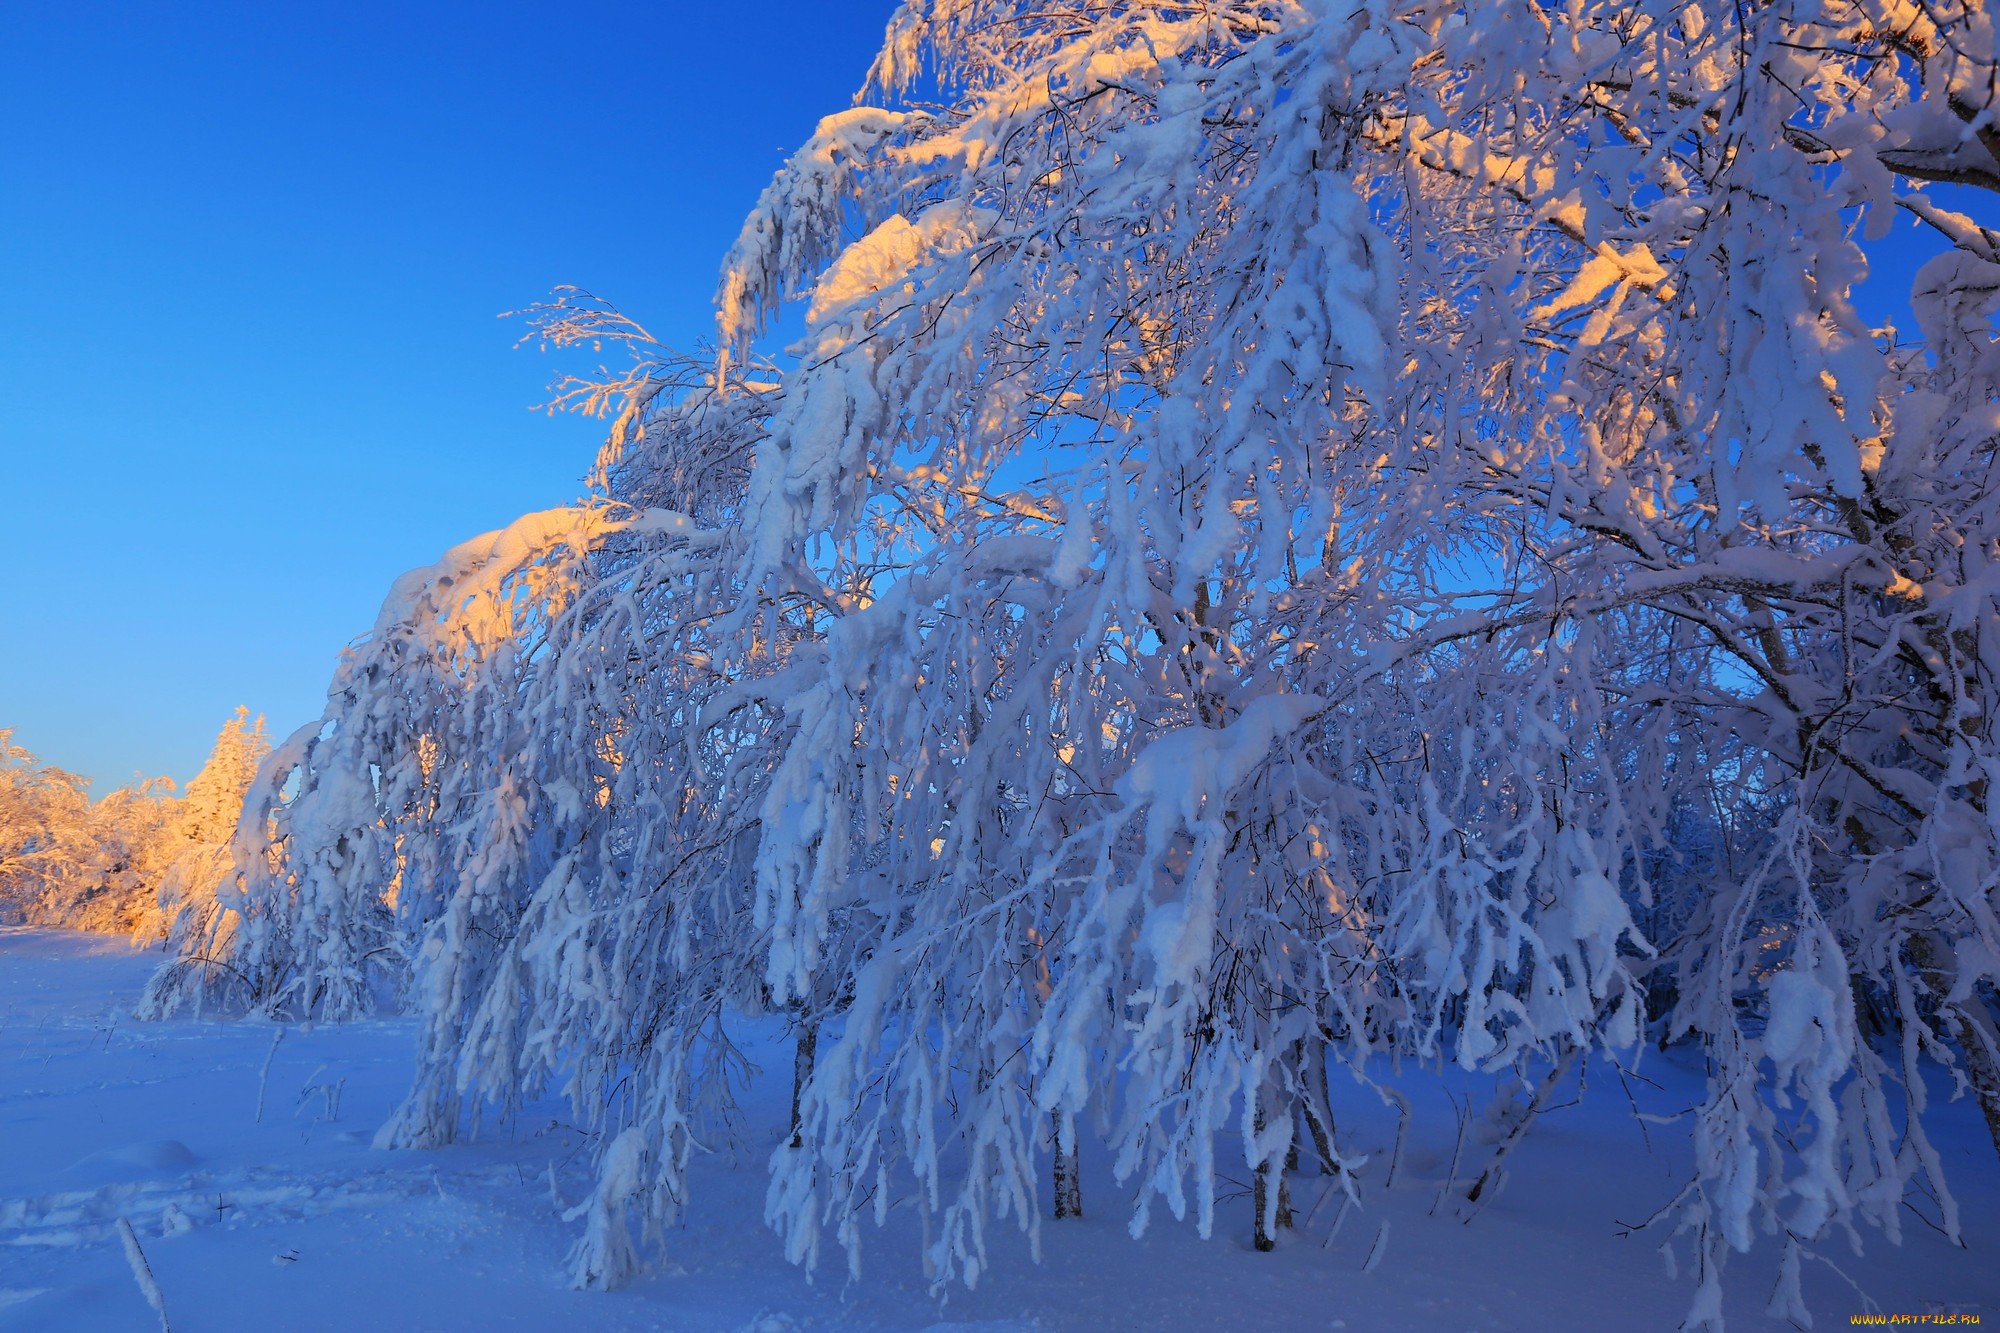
(292,1221)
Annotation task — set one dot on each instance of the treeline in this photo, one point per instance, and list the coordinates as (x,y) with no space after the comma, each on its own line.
(130,862)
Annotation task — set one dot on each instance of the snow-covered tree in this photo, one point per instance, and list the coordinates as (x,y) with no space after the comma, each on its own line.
(1294,534)
(42,811)
(122,847)
(70,862)
(193,854)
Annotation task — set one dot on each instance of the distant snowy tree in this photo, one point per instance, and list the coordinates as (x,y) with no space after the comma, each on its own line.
(124,847)
(42,811)
(193,857)
(69,862)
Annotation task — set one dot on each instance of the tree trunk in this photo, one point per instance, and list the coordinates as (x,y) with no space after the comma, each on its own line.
(1068,1181)
(1319,1106)
(1978,1039)
(1869,1018)
(1271,1220)
(1519,1130)
(1971,1025)
(802,1068)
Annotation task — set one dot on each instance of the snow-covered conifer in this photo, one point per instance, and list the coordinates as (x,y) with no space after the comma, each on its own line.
(192,857)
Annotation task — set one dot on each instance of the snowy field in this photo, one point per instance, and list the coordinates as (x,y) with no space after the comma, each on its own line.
(291,1221)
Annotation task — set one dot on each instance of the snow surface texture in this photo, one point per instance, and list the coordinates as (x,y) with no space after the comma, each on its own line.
(293,1222)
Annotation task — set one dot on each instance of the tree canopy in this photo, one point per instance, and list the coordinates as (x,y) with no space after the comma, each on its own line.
(1293,536)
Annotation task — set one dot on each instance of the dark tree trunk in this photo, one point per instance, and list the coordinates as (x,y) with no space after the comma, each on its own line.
(1971,1024)
(1318,1103)
(802,1067)
(1068,1182)
(1519,1129)
(1270,1221)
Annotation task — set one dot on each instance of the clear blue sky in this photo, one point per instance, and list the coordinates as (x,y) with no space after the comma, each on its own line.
(250,261)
